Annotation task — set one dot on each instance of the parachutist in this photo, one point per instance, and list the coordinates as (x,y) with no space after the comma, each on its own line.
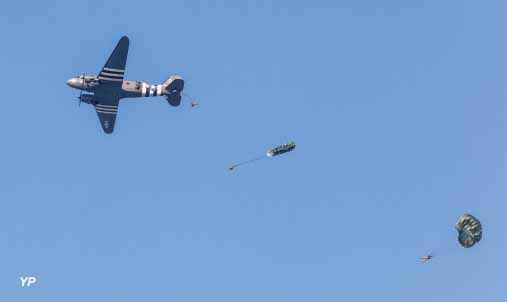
(271,152)
(426,258)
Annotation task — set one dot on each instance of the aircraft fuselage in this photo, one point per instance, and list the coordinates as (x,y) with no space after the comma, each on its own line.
(129,89)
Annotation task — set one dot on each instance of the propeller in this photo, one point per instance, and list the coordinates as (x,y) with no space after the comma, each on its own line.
(81,92)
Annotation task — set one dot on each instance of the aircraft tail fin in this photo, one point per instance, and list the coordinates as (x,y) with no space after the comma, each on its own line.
(172,88)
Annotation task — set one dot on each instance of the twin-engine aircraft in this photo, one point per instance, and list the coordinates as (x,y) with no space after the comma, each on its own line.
(107,89)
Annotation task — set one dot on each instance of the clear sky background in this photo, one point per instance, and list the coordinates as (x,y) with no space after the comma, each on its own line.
(398,109)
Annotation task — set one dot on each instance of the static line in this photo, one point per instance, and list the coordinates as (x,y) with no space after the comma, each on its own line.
(246,162)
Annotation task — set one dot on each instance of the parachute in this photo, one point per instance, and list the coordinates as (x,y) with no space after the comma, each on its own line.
(281,149)
(469,230)
(271,152)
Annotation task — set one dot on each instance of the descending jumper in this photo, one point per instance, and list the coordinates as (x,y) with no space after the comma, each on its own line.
(271,152)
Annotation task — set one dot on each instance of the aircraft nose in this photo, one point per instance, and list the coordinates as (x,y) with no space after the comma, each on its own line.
(72,82)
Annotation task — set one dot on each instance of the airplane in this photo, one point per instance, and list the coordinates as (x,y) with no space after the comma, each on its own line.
(105,90)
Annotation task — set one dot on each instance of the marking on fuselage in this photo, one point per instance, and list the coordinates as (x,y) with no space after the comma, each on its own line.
(143,89)
(159,90)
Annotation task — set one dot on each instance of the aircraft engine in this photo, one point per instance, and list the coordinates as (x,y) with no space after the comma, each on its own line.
(87,98)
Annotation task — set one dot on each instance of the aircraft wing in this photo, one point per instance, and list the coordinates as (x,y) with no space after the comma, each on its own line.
(113,70)
(107,109)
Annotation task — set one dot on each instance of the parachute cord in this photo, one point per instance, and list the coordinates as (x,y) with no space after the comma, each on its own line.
(446,245)
(187,96)
(247,162)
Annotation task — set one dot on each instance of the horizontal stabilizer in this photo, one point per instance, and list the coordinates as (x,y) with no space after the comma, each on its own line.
(174,84)
(174,99)
(173,87)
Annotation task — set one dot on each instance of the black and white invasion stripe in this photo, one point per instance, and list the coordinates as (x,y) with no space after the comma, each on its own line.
(106,109)
(111,74)
(151,90)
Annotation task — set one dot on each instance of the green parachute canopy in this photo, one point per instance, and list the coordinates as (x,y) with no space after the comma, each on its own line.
(271,152)
(469,230)
(281,149)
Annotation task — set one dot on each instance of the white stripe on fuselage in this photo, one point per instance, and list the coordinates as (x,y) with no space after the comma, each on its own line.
(143,89)
(148,90)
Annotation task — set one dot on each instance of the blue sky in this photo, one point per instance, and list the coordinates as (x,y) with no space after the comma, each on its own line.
(398,110)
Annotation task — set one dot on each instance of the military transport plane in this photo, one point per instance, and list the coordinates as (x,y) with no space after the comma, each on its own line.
(106,89)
